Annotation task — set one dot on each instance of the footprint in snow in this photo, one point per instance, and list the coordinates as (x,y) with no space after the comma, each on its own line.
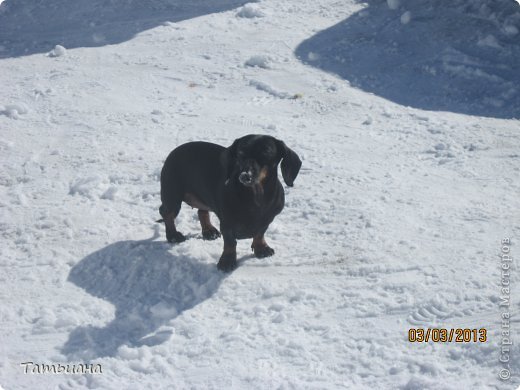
(430,314)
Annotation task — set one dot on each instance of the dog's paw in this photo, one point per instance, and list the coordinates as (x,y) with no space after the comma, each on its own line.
(263,251)
(175,237)
(227,263)
(211,234)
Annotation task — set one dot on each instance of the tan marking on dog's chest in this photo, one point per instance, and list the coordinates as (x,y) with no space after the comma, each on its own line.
(263,174)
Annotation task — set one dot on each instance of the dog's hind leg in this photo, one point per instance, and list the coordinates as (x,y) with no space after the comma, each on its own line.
(172,235)
(209,232)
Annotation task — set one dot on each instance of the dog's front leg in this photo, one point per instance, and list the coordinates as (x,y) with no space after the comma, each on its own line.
(260,247)
(228,260)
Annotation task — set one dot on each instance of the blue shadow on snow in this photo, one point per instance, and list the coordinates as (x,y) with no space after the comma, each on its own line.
(451,56)
(148,287)
(29,27)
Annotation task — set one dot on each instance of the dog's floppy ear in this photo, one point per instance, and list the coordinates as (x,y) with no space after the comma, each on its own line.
(291,163)
(228,159)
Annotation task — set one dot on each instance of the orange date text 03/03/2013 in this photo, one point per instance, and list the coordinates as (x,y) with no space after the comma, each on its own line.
(441,335)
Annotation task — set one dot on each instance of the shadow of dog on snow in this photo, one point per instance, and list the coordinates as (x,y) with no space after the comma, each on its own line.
(148,287)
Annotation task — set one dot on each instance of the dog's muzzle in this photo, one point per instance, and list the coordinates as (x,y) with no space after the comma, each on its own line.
(246,178)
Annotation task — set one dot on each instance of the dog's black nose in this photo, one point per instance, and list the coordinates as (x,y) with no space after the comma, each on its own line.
(245,178)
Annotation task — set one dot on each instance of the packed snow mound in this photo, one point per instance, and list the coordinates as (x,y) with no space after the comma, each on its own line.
(30,26)
(459,56)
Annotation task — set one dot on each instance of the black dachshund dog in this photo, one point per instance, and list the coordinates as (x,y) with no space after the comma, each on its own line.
(239,184)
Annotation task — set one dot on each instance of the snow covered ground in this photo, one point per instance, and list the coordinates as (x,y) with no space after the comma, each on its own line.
(410,180)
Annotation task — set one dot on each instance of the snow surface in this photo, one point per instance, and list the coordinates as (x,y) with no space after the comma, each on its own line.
(409,137)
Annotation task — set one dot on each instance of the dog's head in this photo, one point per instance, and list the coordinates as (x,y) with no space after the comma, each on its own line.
(253,159)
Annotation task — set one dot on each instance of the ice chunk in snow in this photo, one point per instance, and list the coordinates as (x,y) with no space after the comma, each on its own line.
(259,61)
(250,11)
(406,17)
(270,90)
(58,51)
(313,56)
